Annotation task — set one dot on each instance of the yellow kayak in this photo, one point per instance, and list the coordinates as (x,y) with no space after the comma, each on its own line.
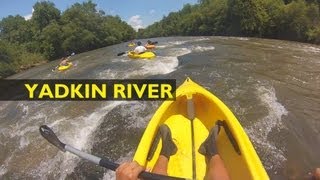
(63,68)
(145,55)
(198,109)
(131,45)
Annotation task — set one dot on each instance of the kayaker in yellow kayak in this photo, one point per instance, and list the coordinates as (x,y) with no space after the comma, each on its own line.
(131,44)
(215,165)
(64,61)
(139,49)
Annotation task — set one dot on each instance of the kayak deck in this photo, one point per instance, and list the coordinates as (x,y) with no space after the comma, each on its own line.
(145,55)
(190,119)
(63,68)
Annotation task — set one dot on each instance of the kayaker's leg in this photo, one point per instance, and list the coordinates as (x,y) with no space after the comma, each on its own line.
(168,149)
(209,148)
(215,165)
(217,170)
(161,165)
(168,146)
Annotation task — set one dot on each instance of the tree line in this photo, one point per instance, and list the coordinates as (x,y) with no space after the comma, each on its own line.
(297,20)
(51,34)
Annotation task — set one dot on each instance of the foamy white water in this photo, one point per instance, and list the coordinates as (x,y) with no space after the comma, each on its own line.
(79,135)
(202,49)
(292,67)
(77,132)
(141,68)
(3,170)
(273,157)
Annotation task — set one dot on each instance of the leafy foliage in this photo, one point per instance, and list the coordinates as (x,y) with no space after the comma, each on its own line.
(50,34)
(44,13)
(297,20)
(14,58)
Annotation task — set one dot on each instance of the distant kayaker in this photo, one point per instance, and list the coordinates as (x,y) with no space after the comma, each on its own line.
(215,166)
(149,43)
(131,44)
(64,61)
(139,49)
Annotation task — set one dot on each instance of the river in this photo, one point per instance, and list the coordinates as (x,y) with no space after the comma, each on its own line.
(272,86)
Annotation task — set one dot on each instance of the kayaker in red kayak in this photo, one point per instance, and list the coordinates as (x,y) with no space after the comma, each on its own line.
(215,169)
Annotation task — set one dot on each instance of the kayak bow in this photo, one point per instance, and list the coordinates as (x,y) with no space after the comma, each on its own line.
(190,119)
(63,68)
(145,55)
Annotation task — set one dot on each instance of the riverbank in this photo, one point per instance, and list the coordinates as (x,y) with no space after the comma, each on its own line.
(52,33)
(15,58)
(24,66)
(297,20)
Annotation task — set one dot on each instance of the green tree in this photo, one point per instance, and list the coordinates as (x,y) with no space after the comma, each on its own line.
(44,13)
(283,19)
(251,15)
(15,29)
(51,41)
(51,35)
(294,21)
(13,58)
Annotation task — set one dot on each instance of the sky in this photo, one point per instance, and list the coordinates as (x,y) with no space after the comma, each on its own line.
(137,13)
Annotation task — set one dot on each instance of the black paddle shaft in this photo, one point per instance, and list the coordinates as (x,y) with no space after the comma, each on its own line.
(51,137)
(122,53)
(145,175)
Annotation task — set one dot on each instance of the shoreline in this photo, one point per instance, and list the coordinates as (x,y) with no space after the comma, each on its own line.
(23,68)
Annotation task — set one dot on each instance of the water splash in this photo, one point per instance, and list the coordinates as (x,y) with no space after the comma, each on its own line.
(79,135)
(258,132)
(142,68)
(202,49)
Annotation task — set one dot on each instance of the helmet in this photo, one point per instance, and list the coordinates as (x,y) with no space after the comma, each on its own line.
(139,43)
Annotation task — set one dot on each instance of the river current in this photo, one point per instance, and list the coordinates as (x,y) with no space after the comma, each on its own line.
(272,87)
